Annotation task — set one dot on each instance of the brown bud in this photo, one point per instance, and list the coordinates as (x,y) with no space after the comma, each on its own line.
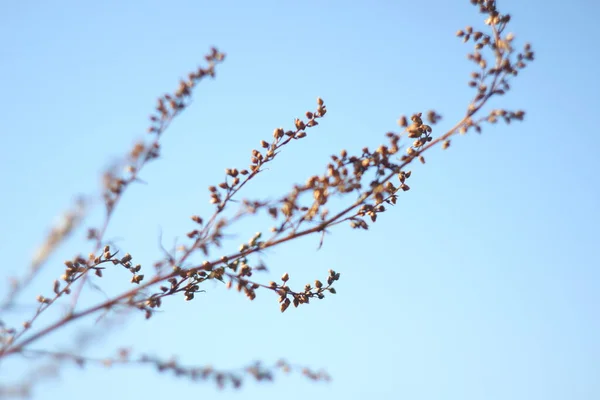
(278,133)
(284,305)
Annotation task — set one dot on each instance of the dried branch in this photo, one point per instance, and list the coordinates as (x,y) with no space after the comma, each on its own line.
(367,183)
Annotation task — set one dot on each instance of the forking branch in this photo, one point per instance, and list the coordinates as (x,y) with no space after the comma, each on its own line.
(368,183)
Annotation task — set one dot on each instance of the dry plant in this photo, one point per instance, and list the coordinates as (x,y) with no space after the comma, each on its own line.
(367,184)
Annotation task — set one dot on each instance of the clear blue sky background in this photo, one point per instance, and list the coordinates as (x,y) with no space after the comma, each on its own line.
(481,284)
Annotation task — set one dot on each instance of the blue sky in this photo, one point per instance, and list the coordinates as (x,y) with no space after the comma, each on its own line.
(482,282)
